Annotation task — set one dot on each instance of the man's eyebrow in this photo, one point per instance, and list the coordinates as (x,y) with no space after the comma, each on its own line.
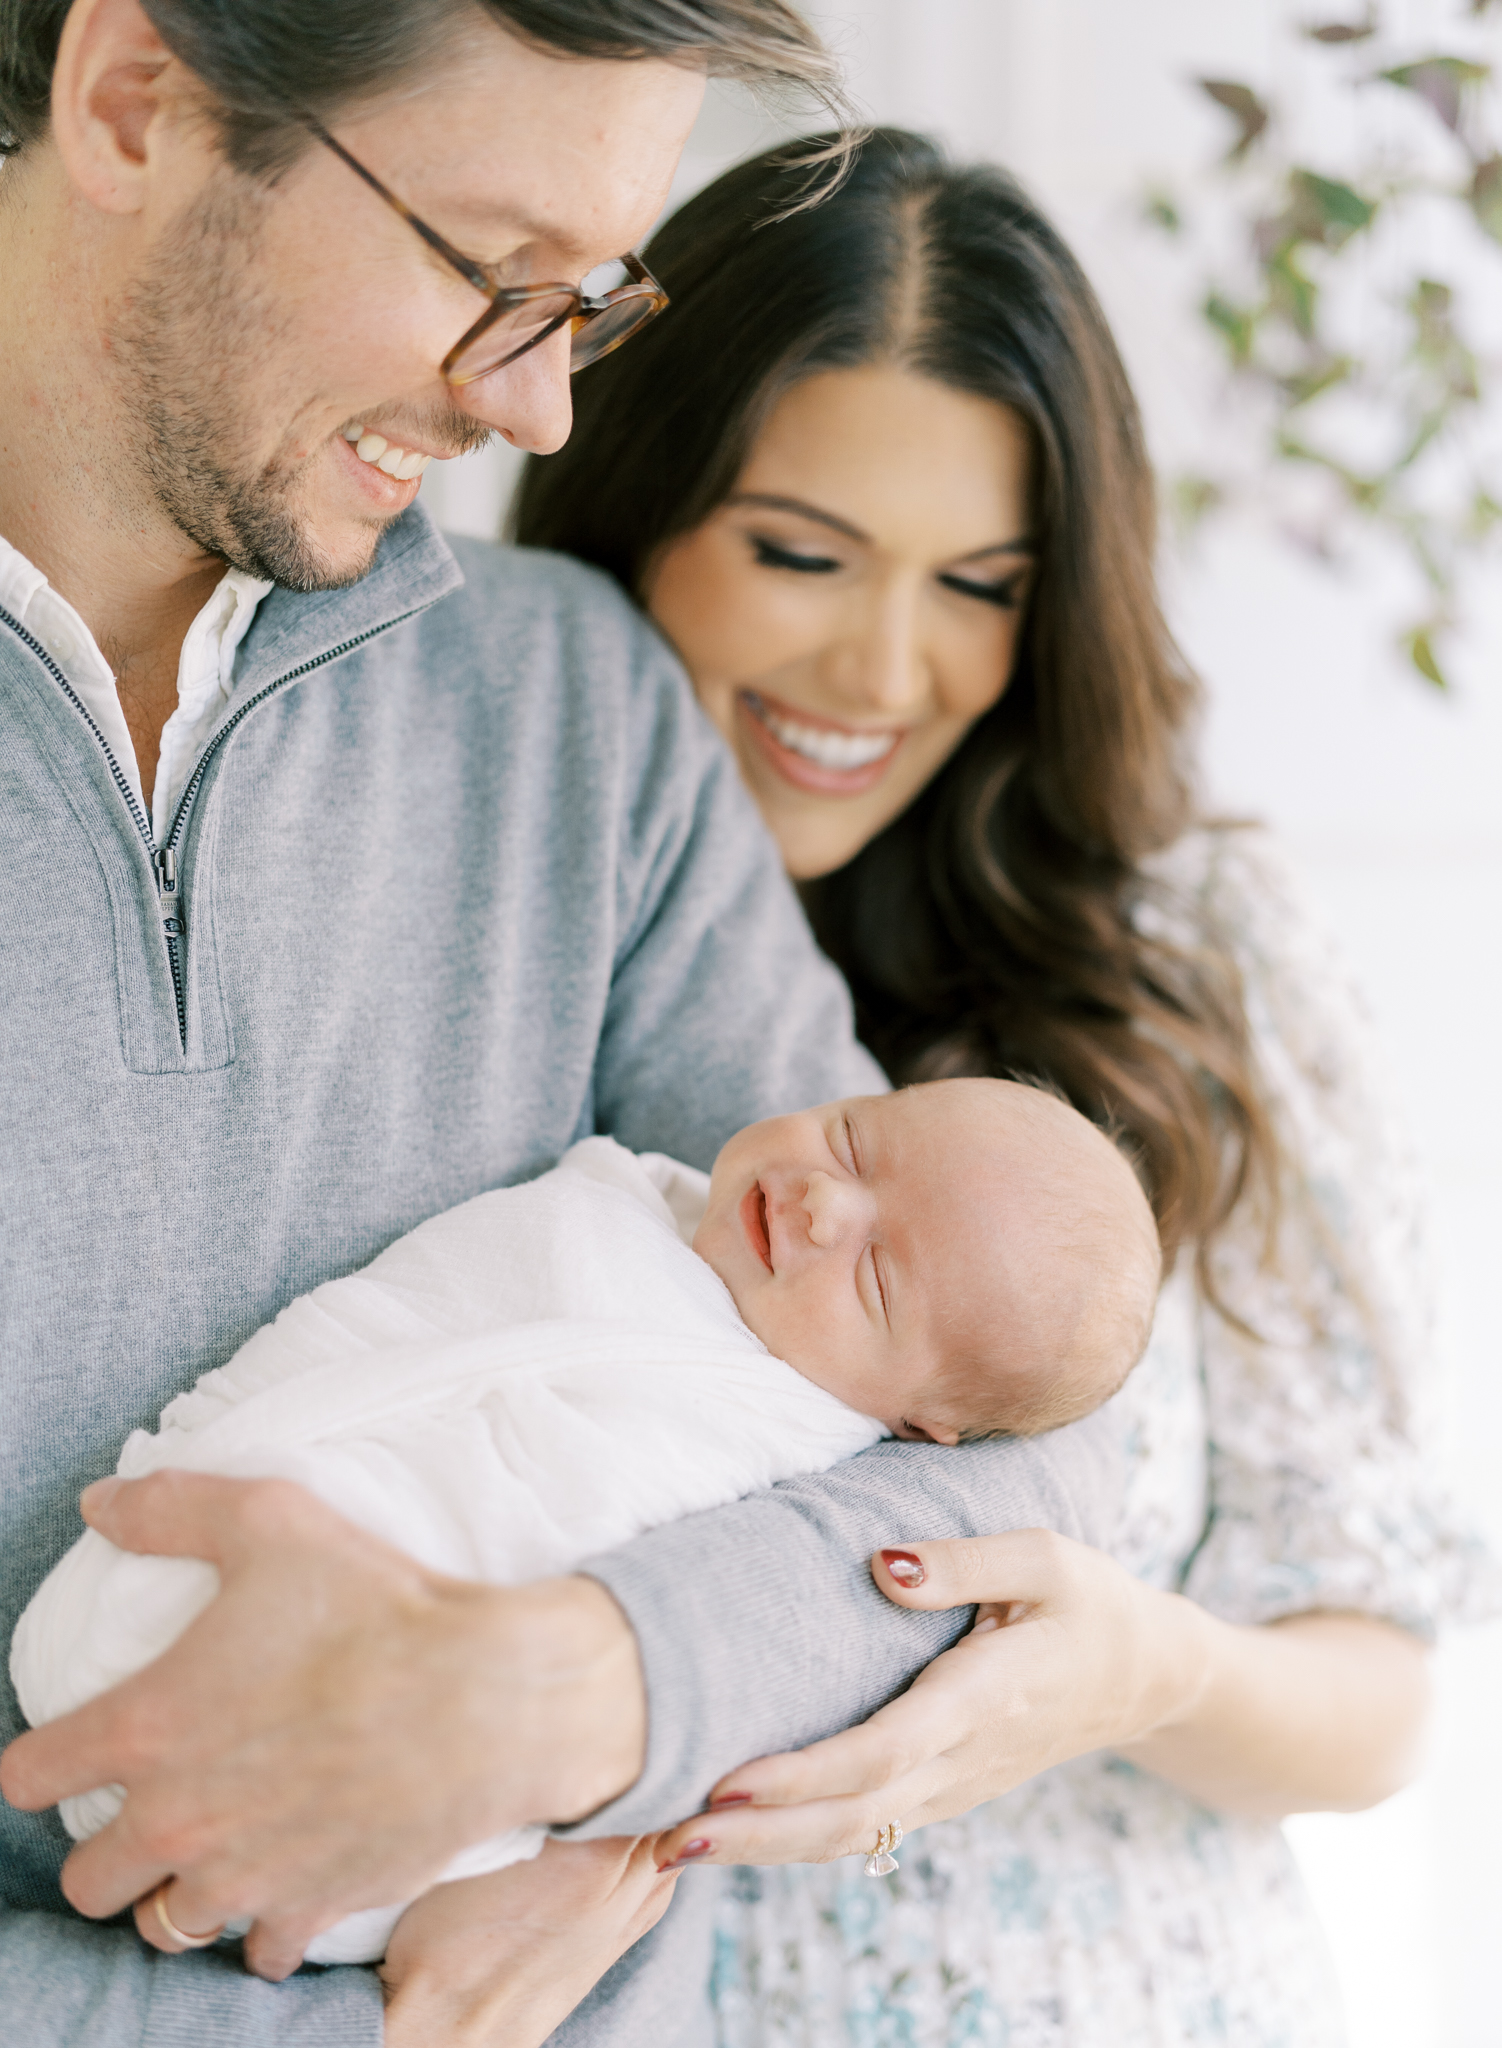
(772,502)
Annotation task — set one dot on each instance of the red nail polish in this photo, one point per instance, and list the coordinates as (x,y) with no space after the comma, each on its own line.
(904,1567)
(687,1854)
(730,1799)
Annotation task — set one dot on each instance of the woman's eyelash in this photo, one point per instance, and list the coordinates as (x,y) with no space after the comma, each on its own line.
(1003,595)
(771,556)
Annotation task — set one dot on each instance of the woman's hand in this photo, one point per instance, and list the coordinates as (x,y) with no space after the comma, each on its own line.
(500,1961)
(1070,1653)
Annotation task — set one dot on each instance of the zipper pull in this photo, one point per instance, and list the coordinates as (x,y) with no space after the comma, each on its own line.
(165,862)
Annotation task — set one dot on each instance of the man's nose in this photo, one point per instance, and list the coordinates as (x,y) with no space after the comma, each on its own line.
(835,1209)
(528,402)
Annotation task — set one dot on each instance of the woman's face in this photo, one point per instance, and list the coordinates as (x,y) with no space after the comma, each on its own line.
(854,606)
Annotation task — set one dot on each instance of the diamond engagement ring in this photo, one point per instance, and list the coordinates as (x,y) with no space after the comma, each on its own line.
(882,1861)
(159,1902)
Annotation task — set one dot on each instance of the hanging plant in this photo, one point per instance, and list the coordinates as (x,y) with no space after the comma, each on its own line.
(1341,319)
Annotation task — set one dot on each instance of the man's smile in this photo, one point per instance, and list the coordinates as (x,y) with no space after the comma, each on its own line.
(388,456)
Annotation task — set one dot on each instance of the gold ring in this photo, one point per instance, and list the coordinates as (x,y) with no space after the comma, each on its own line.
(882,1860)
(159,1901)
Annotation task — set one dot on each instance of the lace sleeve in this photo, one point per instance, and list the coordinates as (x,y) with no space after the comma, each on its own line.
(1323,1485)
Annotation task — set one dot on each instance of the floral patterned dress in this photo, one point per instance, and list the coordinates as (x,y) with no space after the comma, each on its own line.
(1097,1906)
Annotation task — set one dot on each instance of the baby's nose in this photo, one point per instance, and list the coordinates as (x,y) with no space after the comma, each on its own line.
(835,1209)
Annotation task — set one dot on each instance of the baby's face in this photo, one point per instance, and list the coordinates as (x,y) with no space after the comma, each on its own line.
(840,1231)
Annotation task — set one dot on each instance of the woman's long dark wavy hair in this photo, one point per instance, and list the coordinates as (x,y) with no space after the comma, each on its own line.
(994,927)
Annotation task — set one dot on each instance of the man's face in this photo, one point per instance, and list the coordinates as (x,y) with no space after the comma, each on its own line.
(260,325)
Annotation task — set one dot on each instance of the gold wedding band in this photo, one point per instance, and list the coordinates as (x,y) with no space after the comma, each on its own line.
(159,1901)
(882,1860)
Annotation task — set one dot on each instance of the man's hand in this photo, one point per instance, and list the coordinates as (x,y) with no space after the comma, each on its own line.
(334,1727)
(500,1961)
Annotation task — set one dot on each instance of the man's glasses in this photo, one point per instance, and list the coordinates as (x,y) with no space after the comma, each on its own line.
(519,317)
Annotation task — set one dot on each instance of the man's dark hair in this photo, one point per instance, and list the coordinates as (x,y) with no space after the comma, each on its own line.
(267,60)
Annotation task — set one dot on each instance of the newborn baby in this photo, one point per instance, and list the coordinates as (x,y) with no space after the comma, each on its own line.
(548,1370)
(961,1259)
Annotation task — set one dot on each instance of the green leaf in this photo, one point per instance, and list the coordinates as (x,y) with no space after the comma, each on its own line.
(1364,492)
(1485,196)
(1441,82)
(1244,107)
(1291,293)
(1419,647)
(1192,498)
(1427,430)
(1303,385)
(1430,302)
(1484,514)
(1345,31)
(1324,210)
(1436,345)
(1236,324)
(1160,211)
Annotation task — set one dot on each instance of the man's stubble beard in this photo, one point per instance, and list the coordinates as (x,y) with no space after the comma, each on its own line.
(187,349)
(191,352)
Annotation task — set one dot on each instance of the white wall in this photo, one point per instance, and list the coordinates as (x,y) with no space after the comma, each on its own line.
(1386,794)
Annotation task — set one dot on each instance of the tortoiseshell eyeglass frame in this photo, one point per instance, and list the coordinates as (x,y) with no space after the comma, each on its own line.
(577,310)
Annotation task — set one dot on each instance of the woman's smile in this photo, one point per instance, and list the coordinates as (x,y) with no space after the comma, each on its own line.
(815,753)
(874,560)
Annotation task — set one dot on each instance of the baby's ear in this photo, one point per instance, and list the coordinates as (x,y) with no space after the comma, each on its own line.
(914,1431)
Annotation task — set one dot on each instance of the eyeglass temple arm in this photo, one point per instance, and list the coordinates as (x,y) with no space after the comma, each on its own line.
(467,270)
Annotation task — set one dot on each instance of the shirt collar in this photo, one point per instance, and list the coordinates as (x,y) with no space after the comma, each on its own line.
(270,630)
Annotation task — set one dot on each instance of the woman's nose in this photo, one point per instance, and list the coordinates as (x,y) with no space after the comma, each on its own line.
(527,402)
(882,665)
(835,1210)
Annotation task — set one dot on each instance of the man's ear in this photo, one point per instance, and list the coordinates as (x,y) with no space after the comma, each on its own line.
(114,80)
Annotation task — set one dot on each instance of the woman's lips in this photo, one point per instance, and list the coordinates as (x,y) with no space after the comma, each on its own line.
(817,754)
(754,1223)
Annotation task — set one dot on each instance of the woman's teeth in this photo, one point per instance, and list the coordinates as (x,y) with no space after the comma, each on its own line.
(817,744)
(401,463)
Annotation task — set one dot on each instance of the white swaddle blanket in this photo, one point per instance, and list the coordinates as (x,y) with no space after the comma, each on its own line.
(529,1379)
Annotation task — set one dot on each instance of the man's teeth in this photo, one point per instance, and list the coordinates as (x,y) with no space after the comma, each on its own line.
(824,748)
(401,463)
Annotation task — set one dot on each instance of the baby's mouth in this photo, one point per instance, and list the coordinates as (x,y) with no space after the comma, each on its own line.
(754,1223)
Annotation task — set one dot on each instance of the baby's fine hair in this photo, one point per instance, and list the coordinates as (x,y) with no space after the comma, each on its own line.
(1093,1228)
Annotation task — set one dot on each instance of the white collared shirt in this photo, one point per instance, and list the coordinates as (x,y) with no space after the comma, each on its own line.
(204,670)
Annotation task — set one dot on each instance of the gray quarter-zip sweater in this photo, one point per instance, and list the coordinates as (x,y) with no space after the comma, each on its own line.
(461,876)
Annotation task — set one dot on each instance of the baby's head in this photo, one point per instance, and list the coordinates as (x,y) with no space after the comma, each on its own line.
(957,1259)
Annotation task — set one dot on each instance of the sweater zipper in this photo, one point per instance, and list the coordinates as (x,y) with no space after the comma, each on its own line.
(164,857)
